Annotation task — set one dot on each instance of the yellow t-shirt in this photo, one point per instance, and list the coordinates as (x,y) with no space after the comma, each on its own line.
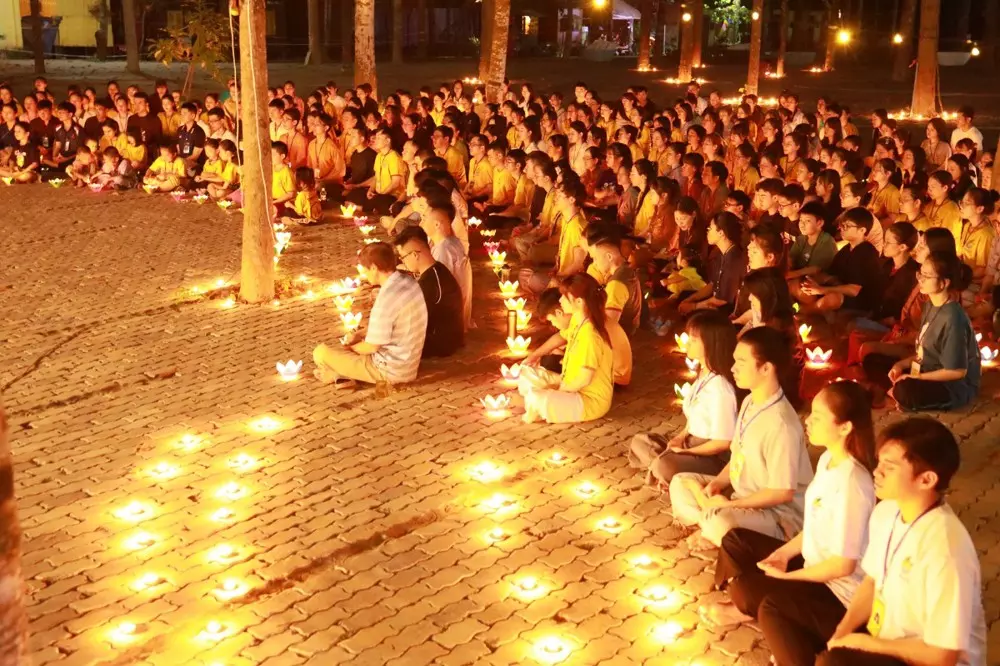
(587,350)
(636,152)
(213,168)
(504,186)
(161,167)
(437,116)
(570,238)
(692,281)
(282,182)
(659,158)
(135,154)
(547,216)
(921,223)
(621,354)
(480,175)
(230,174)
(647,210)
(326,159)
(456,166)
(975,244)
(525,192)
(947,216)
(307,204)
(170,124)
(885,203)
(746,180)
(386,166)
(617,295)
(513,138)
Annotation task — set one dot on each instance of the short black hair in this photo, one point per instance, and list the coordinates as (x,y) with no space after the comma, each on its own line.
(928,445)
(548,302)
(411,233)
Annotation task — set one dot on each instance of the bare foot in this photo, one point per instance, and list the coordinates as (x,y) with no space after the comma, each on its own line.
(722,615)
(530,416)
(696,543)
(324,375)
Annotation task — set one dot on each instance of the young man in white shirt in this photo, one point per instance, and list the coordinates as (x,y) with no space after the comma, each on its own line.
(769,467)
(446,248)
(965,129)
(921,599)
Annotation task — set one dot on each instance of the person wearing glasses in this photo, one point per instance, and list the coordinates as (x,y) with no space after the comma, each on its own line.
(853,281)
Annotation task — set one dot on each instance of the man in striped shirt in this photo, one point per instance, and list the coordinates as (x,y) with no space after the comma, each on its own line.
(390,350)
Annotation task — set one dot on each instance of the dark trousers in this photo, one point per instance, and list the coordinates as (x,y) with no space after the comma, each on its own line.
(379,204)
(844,657)
(911,394)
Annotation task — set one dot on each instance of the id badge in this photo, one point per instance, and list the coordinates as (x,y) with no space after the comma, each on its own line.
(915,369)
(736,467)
(878,615)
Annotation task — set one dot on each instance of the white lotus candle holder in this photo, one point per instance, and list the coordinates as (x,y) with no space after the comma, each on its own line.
(518,346)
(529,588)
(7,180)
(343,303)
(488,233)
(228,303)
(348,210)
(474,222)
(682,391)
(344,287)
(509,289)
(498,259)
(200,198)
(366,229)
(523,318)
(818,358)
(692,365)
(496,406)
(58,182)
(551,650)
(96,187)
(351,320)
(491,246)
(510,374)
(178,195)
(224,204)
(289,371)
(988,355)
(804,332)
(281,240)
(515,304)
(150,189)
(487,472)
(682,341)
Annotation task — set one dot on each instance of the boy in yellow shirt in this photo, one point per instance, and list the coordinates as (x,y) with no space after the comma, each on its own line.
(306,207)
(504,183)
(282,180)
(229,174)
(166,171)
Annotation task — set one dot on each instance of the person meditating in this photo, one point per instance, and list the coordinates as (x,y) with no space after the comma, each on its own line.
(702,445)
(390,350)
(920,601)
(584,389)
(798,591)
(769,466)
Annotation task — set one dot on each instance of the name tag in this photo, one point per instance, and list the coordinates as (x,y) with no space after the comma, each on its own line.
(736,466)
(878,615)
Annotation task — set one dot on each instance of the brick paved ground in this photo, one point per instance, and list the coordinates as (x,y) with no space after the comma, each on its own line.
(356,532)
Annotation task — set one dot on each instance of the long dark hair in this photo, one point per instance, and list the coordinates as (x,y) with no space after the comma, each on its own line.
(718,336)
(771,290)
(770,345)
(849,402)
(949,267)
(586,287)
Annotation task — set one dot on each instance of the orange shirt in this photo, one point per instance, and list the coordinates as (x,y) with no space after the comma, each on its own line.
(298,147)
(325,159)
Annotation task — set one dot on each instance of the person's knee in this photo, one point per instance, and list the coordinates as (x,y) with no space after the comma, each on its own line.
(666,467)
(906,393)
(319,353)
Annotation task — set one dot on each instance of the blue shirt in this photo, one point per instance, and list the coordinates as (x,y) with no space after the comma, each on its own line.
(947,341)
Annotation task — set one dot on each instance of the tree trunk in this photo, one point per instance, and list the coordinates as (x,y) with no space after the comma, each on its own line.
(831,37)
(963,11)
(346,27)
(991,50)
(103,26)
(315,18)
(131,38)
(13,621)
(422,36)
(904,52)
(698,18)
(756,32)
(485,37)
(257,266)
(687,50)
(782,39)
(364,44)
(645,26)
(925,84)
(397,32)
(498,50)
(38,46)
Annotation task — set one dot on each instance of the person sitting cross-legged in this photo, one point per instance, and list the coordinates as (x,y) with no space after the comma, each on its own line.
(390,350)
(388,182)
(436,222)
(445,320)
(769,466)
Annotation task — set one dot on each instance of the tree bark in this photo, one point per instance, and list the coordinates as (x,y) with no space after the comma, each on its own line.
(397,32)
(315,17)
(13,621)
(346,27)
(104,22)
(756,33)
(422,36)
(991,50)
(904,52)
(925,83)
(831,37)
(698,19)
(687,50)
(38,46)
(364,44)
(645,26)
(257,265)
(782,39)
(131,38)
(498,50)
(485,39)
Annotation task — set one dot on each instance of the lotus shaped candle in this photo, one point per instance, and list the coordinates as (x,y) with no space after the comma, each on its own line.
(529,588)
(344,287)
(7,180)
(369,241)
(989,355)
(523,318)
(518,346)
(223,553)
(366,229)
(551,650)
(200,198)
(488,233)
(682,341)
(290,370)
(178,195)
(818,358)
(230,589)
(224,204)
(281,240)
(645,563)
(496,406)
(487,472)
(515,304)
(96,187)
(360,220)
(343,303)
(491,246)
(474,222)
(498,502)
(804,331)
(556,458)
(668,632)
(510,374)
(348,210)
(682,391)
(979,338)
(508,288)
(228,303)
(610,524)
(351,320)
(815,70)
(795,308)
(153,188)
(657,595)
(58,182)
(587,490)
(498,258)
(691,364)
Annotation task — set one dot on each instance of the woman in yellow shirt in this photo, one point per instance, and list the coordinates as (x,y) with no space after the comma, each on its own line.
(884,203)
(977,238)
(229,173)
(135,150)
(642,177)
(941,210)
(583,391)
(323,155)
(658,151)
(170,120)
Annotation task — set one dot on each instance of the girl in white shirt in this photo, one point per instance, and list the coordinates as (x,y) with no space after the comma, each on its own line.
(702,446)
(799,591)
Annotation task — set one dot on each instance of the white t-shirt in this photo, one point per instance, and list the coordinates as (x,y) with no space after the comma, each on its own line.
(971,133)
(710,408)
(930,585)
(451,253)
(839,502)
(458,225)
(769,452)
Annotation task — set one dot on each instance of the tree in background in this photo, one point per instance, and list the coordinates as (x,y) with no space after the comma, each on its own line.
(364,44)
(37,46)
(131,37)
(485,40)
(925,83)
(102,14)
(698,30)
(756,35)
(782,39)
(645,26)
(397,32)
(202,40)
(498,49)
(904,49)
(684,70)
(315,17)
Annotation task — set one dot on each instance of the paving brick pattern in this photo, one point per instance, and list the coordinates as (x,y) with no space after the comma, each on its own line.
(351,532)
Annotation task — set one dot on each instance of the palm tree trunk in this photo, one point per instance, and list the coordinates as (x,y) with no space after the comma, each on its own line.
(687,49)
(422,31)
(925,84)
(38,47)
(782,39)
(364,44)
(257,265)
(485,39)
(498,49)
(698,18)
(131,38)
(904,51)
(346,26)
(315,17)
(756,33)
(645,26)
(397,32)
(13,621)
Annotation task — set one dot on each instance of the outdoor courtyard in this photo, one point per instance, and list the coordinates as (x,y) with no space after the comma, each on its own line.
(183,505)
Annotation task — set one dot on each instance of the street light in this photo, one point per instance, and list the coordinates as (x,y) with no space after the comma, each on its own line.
(755,16)
(686,17)
(843,36)
(975,51)
(897,38)
(600,4)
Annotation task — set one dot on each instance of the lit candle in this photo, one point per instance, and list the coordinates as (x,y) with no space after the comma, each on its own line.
(518,346)
(487,472)
(667,632)
(224,204)
(343,303)
(232,491)
(510,374)
(134,512)
(499,503)
(189,442)
(551,650)
(223,515)
(125,632)
(223,553)
(230,588)
(556,458)
(139,541)
(200,198)
(289,371)
(529,588)
(587,490)
(610,524)
(228,303)
(344,287)
(657,595)
(988,355)
(265,424)
(498,258)
(682,341)
(57,182)
(645,563)
(496,406)
(523,318)
(491,246)
(682,391)
(804,331)
(474,222)
(214,631)
(163,471)
(508,288)
(351,320)
(818,358)
(496,534)
(515,304)
(147,581)
(241,462)
(367,229)
(488,233)
(348,210)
